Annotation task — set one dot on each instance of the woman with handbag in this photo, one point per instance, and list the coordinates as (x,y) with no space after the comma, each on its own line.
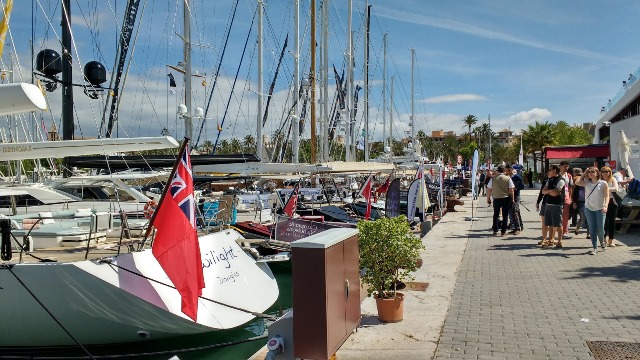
(595,205)
(612,210)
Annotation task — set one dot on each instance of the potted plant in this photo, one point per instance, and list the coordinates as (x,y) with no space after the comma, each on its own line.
(389,252)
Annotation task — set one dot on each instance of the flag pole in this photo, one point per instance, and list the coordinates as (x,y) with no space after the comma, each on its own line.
(166,188)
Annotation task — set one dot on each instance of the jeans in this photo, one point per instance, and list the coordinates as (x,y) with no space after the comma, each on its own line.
(595,223)
(514,215)
(501,204)
(610,220)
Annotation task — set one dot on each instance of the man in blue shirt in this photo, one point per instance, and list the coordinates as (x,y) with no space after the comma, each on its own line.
(514,212)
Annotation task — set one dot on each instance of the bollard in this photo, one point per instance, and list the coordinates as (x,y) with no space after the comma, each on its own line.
(425,227)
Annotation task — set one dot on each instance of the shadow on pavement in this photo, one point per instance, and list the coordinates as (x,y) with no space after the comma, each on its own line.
(370,320)
(629,271)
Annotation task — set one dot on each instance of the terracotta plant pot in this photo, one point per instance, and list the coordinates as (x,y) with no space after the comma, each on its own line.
(391,310)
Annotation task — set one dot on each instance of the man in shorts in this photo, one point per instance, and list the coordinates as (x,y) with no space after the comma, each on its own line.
(553,192)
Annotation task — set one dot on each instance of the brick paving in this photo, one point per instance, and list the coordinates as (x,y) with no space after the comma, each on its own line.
(513,299)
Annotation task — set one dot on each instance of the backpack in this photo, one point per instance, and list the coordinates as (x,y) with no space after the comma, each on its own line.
(633,191)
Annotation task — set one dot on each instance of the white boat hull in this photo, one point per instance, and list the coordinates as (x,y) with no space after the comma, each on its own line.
(102,303)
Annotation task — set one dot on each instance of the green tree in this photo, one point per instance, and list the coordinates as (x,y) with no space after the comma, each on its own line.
(536,137)
(571,135)
(248,144)
(469,121)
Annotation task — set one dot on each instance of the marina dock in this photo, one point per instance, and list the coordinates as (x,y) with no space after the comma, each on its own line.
(494,297)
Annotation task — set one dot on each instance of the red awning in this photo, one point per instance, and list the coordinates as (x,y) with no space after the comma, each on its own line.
(574,152)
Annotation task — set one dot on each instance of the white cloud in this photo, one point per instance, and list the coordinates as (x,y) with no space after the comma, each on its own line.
(530,116)
(482,32)
(453,98)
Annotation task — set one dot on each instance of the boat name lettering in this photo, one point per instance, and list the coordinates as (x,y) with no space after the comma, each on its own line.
(230,277)
(16,148)
(214,258)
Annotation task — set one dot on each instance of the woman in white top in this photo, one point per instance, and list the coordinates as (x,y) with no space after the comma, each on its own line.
(612,210)
(595,205)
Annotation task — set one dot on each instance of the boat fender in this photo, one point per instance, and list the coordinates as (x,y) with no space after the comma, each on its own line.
(275,346)
(5,244)
(150,208)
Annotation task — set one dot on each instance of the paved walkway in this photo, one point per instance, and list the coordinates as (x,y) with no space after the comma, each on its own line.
(505,298)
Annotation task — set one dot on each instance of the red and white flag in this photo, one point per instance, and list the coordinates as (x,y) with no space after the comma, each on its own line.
(383,189)
(292,203)
(366,192)
(420,172)
(176,244)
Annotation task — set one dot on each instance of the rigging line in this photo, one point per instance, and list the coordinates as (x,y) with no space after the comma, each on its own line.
(215,80)
(273,82)
(275,40)
(145,354)
(226,110)
(93,36)
(133,50)
(10,268)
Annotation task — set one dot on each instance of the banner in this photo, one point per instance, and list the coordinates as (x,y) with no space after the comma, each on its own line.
(412,199)
(474,170)
(521,156)
(289,230)
(392,204)
(441,192)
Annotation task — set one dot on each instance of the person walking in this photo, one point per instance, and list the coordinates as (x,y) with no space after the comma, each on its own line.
(530,178)
(595,205)
(612,209)
(577,198)
(514,212)
(540,207)
(554,194)
(501,187)
(481,183)
(566,204)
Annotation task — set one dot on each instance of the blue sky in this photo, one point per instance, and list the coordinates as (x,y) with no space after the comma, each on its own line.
(545,60)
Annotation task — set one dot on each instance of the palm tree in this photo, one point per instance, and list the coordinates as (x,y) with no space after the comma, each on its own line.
(536,137)
(248,144)
(469,121)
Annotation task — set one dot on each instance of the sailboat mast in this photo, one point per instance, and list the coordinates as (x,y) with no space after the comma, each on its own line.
(384,95)
(366,83)
(325,75)
(349,86)
(259,140)
(295,142)
(188,121)
(391,118)
(67,80)
(490,136)
(312,80)
(413,127)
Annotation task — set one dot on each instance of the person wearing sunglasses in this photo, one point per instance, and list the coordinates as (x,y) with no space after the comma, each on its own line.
(595,205)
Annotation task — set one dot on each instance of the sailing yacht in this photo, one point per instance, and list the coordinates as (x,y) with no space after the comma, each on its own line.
(59,301)
(127,298)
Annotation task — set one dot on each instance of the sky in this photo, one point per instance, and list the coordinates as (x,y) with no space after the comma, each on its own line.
(515,62)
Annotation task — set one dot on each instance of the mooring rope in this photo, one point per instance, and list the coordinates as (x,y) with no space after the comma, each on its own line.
(256,314)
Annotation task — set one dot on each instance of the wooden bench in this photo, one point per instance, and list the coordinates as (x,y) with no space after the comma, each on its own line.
(633,218)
